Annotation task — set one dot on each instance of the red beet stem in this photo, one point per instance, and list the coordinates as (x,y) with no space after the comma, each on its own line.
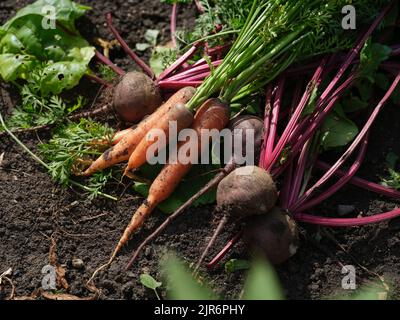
(146,69)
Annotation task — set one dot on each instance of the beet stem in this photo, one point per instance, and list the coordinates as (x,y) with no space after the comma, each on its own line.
(346,222)
(303,204)
(91,113)
(315,80)
(193,71)
(186,56)
(267,116)
(274,120)
(311,124)
(126,48)
(217,231)
(173,24)
(228,247)
(99,80)
(108,62)
(357,140)
(362,183)
(299,173)
(176,85)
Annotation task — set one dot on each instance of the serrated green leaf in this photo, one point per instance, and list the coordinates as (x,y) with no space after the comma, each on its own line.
(157,60)
(149,282)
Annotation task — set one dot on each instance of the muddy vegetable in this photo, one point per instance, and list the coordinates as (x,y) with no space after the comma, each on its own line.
(135,96)
(275,235)
(247,191)
(241,126)
(244,123)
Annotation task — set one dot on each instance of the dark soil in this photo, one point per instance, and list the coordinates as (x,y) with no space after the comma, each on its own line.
(33,208)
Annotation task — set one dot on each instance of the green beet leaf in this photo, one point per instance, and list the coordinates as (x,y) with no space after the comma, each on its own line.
(29,43)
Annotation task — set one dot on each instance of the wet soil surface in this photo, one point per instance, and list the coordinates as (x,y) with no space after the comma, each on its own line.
(34,209)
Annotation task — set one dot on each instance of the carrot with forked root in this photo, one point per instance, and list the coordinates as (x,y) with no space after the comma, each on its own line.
(213,114)
(124,148)
(179,114)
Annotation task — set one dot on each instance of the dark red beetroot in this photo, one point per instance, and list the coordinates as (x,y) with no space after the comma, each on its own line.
(275,235)
(241,126)
(247,191)
(136,96)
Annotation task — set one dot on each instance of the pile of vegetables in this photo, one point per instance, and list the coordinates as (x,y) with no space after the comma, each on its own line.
(238,55)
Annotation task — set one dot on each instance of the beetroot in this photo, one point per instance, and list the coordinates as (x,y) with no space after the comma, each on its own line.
(240,127)
(275,235)
(135,96)
(247,191)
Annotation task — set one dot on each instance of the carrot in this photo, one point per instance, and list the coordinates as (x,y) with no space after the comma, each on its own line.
(213,114)
(119,135)
(183,118)
(124,148)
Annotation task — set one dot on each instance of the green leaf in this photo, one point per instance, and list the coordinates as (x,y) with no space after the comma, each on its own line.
(14,66)
(181,284)
(262,283)
(353,104)
(198,176)
(337,130)
(73,142)
(161,58)
(151,36)
(149,282)
(66,12)
(142,46)
(372,55)
(393,181)
(59,54)
(236,265)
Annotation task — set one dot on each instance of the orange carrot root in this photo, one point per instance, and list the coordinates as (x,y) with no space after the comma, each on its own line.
(212,115)
(183,118)
(124,148)
(119,135)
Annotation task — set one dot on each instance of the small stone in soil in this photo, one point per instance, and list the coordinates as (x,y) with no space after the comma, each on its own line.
(147,252)
(78,264)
